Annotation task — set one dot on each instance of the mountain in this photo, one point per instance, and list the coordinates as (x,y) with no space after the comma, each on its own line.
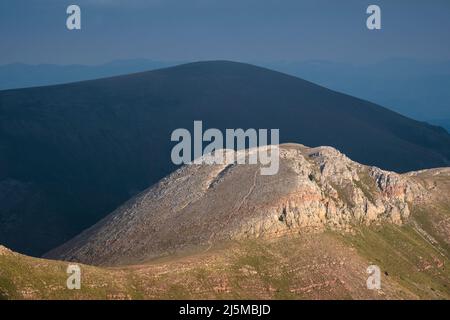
(201,205)
(414,88)
(227,232)
(72,153)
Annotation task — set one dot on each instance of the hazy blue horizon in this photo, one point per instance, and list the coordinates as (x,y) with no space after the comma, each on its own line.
(34,31)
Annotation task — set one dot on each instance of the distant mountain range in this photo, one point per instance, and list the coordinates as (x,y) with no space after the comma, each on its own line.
(72,153)
(413,88)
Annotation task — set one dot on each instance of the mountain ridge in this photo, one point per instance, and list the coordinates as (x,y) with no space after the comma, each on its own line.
(201,205)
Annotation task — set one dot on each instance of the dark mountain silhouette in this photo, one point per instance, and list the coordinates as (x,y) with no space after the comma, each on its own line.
(414,88)
(72,153)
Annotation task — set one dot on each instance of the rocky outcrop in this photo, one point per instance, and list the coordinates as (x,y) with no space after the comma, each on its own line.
(5,251)
(200,205)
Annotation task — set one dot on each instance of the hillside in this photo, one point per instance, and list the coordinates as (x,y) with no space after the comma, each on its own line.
(327,265)
(316,189)
(70,154)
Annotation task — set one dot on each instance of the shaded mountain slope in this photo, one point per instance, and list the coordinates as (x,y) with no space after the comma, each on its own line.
(75,152)
(316,189)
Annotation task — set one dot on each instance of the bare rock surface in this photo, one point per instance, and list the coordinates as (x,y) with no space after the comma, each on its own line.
(201,205)
(5,251)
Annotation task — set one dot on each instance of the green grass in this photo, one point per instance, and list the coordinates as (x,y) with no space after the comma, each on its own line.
(403,254)
(256,257)
(429,218)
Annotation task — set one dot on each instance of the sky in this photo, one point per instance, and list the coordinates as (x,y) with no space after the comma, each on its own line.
(34,31)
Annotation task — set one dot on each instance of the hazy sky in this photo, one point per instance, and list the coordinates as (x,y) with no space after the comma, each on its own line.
(34,31)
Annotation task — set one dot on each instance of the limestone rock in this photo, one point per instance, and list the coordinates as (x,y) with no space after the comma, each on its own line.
(200,205)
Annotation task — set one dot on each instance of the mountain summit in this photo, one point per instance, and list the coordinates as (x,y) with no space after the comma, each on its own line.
(203,205)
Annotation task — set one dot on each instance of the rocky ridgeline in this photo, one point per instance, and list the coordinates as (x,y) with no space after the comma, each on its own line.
(333,191)
(315,188)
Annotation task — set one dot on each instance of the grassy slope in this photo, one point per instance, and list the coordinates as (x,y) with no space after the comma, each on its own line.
(314,266)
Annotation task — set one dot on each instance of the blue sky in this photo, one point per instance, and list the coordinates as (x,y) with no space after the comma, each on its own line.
(33,31)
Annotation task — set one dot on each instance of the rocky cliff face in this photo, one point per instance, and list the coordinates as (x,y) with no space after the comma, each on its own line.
(201,205)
